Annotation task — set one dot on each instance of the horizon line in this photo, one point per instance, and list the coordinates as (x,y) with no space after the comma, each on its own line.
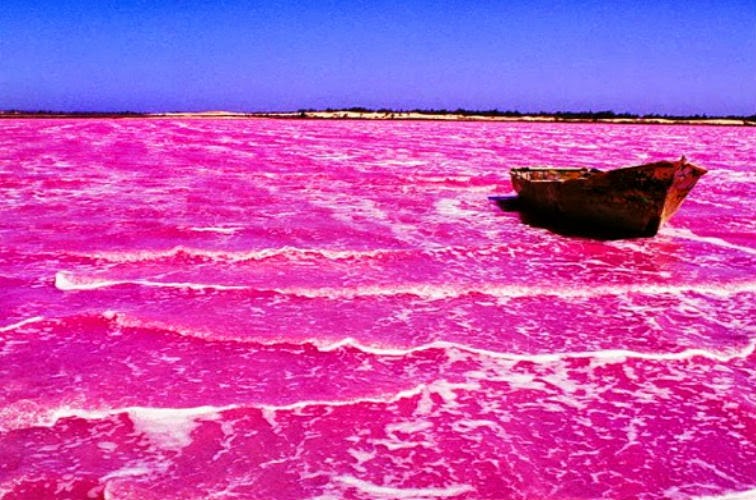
(495,112)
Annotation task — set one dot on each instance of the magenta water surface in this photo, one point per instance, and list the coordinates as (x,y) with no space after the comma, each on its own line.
(333,309)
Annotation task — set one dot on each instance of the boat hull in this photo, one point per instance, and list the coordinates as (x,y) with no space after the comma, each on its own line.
(634,200)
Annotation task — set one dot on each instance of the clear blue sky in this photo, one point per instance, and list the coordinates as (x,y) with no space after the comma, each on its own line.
(662,56)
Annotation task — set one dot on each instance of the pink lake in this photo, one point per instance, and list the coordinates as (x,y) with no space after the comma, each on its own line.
(304,309)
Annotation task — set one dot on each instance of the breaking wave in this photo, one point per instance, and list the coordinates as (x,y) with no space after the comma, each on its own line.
(68,281)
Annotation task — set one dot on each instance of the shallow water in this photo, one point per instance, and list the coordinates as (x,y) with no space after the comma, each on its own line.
(328,309)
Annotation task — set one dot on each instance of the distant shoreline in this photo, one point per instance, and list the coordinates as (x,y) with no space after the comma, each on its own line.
(351,114)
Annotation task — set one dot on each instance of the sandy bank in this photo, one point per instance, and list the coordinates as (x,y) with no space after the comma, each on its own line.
(374,115)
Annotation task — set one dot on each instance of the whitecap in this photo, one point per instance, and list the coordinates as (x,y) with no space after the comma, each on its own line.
(24,322)
(66,281)
(379,491)
(690,235)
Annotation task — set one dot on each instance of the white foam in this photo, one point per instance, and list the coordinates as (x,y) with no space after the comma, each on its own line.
(458,351)
(213,229)
(232,256)
(362,456)
(66,281)
(269,415)
(409,427)
(605,355)
(108,446)
(24,322)
(739,495)
(173,425)
(424,405)
(441,292)
(714,469)
(450,207)
(169,428)
(735,176)
(375,490)
(467,425)
(127,472)
(690,235)
(269,410)
(559,378)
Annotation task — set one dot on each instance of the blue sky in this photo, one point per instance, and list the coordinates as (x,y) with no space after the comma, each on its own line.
(672,57)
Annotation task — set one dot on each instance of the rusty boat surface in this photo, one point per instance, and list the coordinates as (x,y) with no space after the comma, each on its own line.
(635,201)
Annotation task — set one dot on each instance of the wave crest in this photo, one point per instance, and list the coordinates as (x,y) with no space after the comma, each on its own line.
(288,252)
(68,281)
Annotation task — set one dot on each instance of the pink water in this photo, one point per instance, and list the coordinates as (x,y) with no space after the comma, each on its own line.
(333,309)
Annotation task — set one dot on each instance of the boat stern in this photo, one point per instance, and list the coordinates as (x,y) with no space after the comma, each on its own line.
(685,177)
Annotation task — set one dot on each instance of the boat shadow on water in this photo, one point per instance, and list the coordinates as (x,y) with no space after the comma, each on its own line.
(559,225)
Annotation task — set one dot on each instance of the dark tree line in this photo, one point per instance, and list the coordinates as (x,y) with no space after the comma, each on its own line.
(78,114)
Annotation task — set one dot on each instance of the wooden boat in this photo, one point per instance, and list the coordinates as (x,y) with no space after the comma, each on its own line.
(632,200)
